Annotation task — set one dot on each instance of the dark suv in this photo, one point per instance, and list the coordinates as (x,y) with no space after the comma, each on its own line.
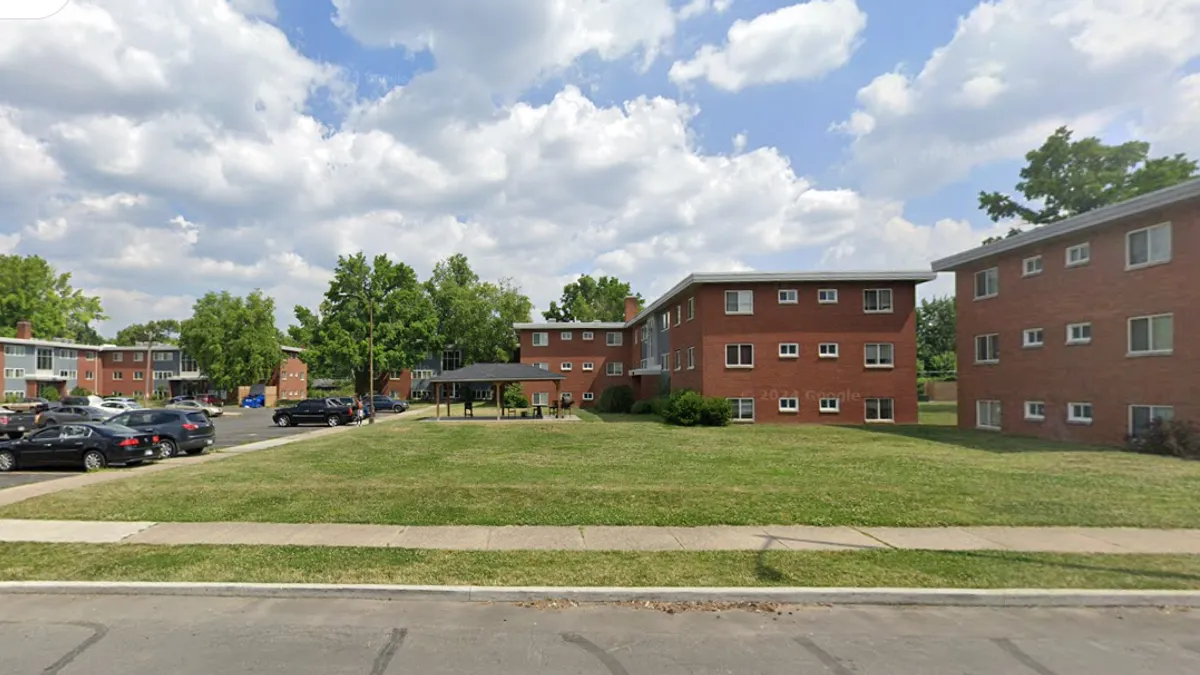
(327,411)
(382,402)
(177,430)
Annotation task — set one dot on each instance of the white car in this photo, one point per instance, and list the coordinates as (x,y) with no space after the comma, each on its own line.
(118,406)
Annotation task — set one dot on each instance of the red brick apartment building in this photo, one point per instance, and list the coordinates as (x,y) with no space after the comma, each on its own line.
(837,348)
(1077,330)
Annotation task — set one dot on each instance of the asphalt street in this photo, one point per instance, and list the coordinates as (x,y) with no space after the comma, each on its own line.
(131,635)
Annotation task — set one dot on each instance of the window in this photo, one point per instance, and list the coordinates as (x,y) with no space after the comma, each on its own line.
(68,354)
(987,283)
(877,301)
(45,359)
(739,356)
(188,364)
(678,314)
(543,366)
(541,398)
(1152,334)
(118,357)
(565,366)
(162,374)
(880,410)
(1079,413)
(987,348)
(588,396)
(451,360)
(14,393)
(678,361)
(1079,255)
(691,356)
(588,335)
(138,357)
(1079,333)
(879,355)
(1035,411)
(691,308)
(1033,337)
(90,356)
(566,335)
(1140,417)
(789,296)
(1148,246)
(664,361)
(743,409)
(827,296)
(828,350)
(987,414)
(162,356)
(422,374)
(15,350)
(541,339)
(665,318)
(68,374)
(588,366)
(14,374)
(118,375)
(789,350)
(789,405)
(613,339)
(89,375)
(614,368)
(139,375)
(829,405)
(739,302)
(1032,266)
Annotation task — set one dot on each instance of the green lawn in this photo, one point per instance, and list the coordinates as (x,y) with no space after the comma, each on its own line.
(646,473)
(294,564)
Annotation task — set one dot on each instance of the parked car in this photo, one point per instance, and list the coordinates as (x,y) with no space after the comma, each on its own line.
(210,410)
(15,424)
(381,402)
(328,411)
(178,431)
(33,405)
(91,446)
(349,400)
(119,406)
(71,413)
(123,399)
(178,399)
(92,401)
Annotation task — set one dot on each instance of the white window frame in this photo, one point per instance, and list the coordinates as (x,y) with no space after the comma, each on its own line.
(879,362)
(891,303)
(691,358)
(139,357)
(545,339)
(15,350)
(691,313)
(825,407)
(991,283)
(827,296)
(1150,334)
(588,336)
(89,375)
(986,421)
(1033,266)
(589,396)
(824,350)
(539,398)
(678,361)
(1152,408)
(118,357)
(666,320)
(614,339)
(139,376)
(14,374)
(744,302)
(160,357)
(14,393)
(1072,418)
(678,314)
(878,408)
(162,375)
(566,335)
(1026,338)
(789,350)
(565,367)
(614,369)
(1150,260)
(664,361)
(789,296)
(541,364)
(422,374)
(739,346)
(118,375)
(1079,341)
(992,339)
(1086,248)
(1031,415)
(89,356)
(736,403)
(791,409)
(588,366)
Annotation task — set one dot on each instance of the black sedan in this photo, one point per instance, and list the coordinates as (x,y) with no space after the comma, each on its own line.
(91,446)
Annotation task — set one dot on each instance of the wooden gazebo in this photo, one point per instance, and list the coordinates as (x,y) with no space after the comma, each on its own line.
(499,376)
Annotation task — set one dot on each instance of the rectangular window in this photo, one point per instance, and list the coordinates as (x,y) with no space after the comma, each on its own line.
(691,308)
(664,361)
(613,339)
(829,405)
(90,356)
(879,355)
(14,393)
(540,398)
(987,283)
(188,364)
(1079,413)
(589,335)
(89,375)
(1152,334)
(588,366)
(789,350)
(987,348)
(1035,411)
(1032,266)
(665,319)
(1080,254)
(540,339)
(118,375)
(739,356)
(614,368)
(14,373)
(162,356)
(138,357)
(1141,416)
(678,314)
(589,396)
(1148,246)
(1079,333)
(566,335)
(828,350)
(691,356)
(162,374)
(565,366)
(987,415)
(1033,337)
(422,374)
(678,361)
(789,405)
(542,365)
(880,410)
(827,296)
(118,357)
(45,359)
(68,354)
(789,296)
(15,350)
(877,301)
(139,375)
(743,409)
(739,302)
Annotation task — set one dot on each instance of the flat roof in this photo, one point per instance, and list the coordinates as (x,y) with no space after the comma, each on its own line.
(498,372)
(1085,221)
(35,342)
(571,325)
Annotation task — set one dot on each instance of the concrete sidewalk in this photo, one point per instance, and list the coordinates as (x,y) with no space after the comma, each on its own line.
(718,538)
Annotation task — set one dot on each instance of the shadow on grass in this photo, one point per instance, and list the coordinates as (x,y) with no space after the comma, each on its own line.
(987,441)
(620,418)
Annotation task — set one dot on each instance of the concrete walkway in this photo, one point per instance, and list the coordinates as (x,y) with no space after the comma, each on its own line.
(720,538)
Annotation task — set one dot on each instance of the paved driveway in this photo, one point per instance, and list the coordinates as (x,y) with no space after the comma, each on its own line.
(16,478)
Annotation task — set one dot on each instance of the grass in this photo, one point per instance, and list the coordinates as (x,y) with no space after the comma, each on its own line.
(293,564)
(646,473)
(938,413)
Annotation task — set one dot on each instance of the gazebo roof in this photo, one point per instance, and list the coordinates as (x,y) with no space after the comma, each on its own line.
(498,372)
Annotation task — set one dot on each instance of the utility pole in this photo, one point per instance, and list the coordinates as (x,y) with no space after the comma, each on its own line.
(371,355)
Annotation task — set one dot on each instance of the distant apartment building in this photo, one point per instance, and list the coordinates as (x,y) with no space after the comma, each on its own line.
(31,364)
(413,384)
(1077,330)
(782,347)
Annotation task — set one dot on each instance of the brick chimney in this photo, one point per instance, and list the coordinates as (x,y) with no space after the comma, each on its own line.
(25,329)
(631,307)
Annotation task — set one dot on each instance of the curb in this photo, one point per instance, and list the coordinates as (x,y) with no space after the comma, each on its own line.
(790,596)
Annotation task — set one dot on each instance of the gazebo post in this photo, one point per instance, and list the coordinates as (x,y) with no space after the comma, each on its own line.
(437,399)
(558,399)
(499,402)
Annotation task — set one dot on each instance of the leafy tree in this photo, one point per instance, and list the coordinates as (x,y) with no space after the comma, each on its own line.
(35,292)
(233,339)
(150,335)
(476,316)
(935,330)
(588,299)
(337,335)
(1071,177)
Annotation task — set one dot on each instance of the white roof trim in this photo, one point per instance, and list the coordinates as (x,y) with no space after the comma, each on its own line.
(573,326)
(106,348)
(1084,221)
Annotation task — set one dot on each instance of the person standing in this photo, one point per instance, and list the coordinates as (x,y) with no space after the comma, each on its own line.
(358,411)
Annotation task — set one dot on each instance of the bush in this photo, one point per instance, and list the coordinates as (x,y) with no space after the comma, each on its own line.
(616,399)
(81,391)
(514,397)
(685,408)
(50,393)
(642,407)
(717,412)
(1173,438)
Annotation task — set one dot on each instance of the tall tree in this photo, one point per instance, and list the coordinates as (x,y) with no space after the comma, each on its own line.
(337,335)
(150,335)
(936,320)
(35,292)
(589,299)
(476,316)
(234,340)
(1071,177)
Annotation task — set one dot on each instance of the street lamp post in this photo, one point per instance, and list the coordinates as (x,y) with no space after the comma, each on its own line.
(371,356)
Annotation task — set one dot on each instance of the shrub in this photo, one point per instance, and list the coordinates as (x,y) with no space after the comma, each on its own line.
(643,407)
(514,397)
(50,393)
(81,391)
(685,409)
(717,412)
(616,399)
(658,406)
(1173,438)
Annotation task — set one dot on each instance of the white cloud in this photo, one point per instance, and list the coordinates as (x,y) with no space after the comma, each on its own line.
(264,8)
(800,42)
(695,8)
